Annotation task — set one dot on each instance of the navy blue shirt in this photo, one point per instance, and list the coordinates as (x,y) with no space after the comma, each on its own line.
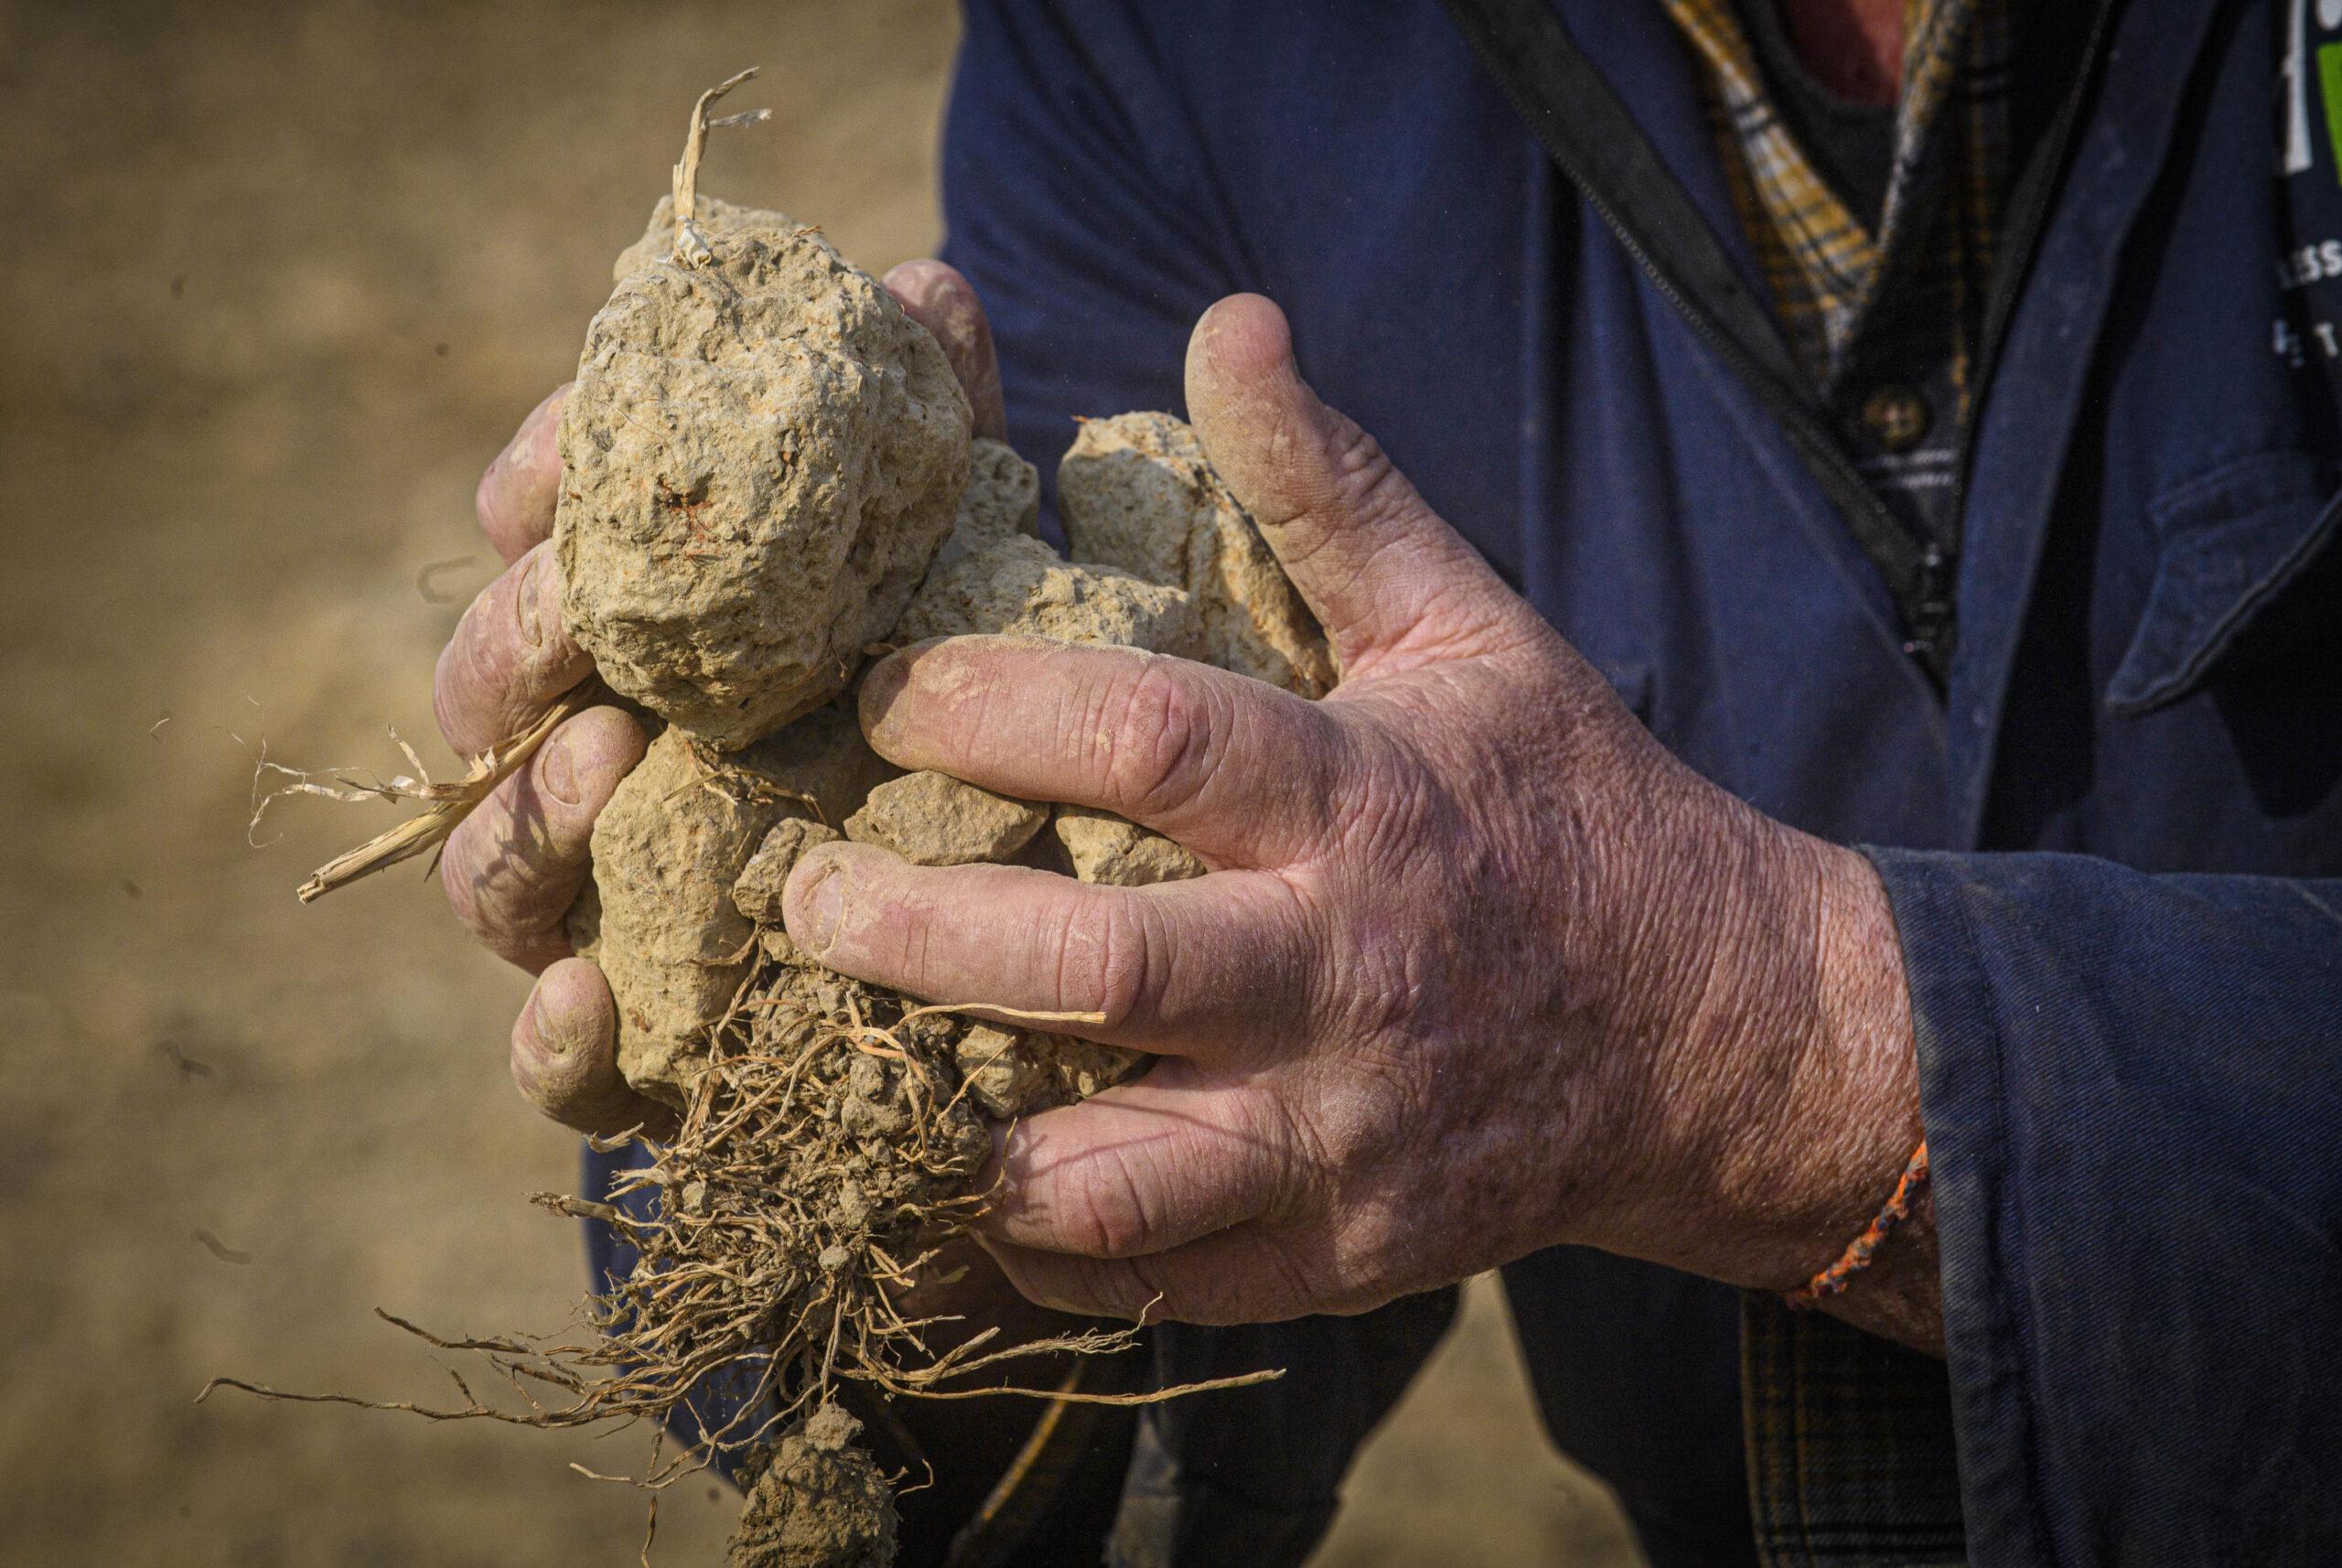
(2108,841)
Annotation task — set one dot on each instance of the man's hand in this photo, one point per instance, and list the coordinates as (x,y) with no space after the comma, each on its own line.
(516,865)
(1478,967)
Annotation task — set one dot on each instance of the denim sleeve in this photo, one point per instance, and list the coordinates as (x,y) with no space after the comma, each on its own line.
(2132,1093)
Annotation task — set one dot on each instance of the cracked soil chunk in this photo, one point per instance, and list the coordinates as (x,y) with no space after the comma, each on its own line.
(668,850)
(1135,491)
(760,457)
(1021,587)
(821,1503)
(933,818)
(758,893)
(1002,500)
(1012,1073)
(1112,850)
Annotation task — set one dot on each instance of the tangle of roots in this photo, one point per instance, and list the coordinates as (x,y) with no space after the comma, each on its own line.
(827,1150)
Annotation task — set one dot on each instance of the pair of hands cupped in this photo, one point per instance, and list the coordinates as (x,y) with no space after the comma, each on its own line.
(1478,967)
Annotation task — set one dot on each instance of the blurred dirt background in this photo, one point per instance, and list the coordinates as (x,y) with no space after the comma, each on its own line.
(277,280)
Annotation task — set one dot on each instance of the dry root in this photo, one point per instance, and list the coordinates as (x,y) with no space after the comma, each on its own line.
(825,1154)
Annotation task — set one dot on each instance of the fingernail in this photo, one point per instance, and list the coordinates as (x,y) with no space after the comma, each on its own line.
(549,1045)
(819,910)
(527,610)
(881,684)
(557,775)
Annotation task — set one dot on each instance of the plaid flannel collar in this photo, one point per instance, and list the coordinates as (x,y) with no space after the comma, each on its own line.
(1823,264)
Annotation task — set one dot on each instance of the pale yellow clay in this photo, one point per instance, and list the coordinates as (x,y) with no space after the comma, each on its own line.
(1019,586)
(1135,491)
(1108,849)
(669,850)
(1011,1072)
(757,893)
(1002,500)
(933,818)
(760,456)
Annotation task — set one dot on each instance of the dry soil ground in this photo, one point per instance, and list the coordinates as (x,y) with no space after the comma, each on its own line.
(274,283)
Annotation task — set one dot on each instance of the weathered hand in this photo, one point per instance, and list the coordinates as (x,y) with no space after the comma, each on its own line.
(1478,967)
(516,865)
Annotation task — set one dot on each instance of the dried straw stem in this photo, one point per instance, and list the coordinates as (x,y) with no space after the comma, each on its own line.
(691,245)
(450,803)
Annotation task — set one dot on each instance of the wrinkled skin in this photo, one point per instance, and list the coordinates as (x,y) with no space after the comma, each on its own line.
(1479,968)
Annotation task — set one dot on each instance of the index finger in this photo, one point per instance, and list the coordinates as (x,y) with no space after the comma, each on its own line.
(1239,772)
(1219,966)
(515,496)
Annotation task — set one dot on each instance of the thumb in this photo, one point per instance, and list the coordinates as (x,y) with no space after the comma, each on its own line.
(1382,572)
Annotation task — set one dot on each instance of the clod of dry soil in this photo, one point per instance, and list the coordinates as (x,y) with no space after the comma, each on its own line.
(761,454)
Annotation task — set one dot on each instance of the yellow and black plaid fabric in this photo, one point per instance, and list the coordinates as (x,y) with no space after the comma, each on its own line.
(1827,266)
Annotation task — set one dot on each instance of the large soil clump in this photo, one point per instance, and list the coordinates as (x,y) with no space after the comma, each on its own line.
(761,454)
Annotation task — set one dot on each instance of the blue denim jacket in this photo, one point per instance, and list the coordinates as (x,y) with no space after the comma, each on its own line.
(2110,842)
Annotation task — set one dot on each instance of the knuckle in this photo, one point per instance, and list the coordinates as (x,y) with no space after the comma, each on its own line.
(1114,1287)
(1389,806)
(498,884)
(1120,945)
(509,653)
(463,887)
(1135,1288)
(488,499)
(1168,740)
(1248,1283)
(513,500)
(1308,1164)
(1110,1213)
(1389,983)
(1341,473)
(452,684)
(472,689)
(1281,1284)
(1316,756)
(474,887)
(1362,471)
(535,1068)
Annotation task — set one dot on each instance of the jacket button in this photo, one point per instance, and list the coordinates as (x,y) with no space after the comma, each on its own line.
(1896,417)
